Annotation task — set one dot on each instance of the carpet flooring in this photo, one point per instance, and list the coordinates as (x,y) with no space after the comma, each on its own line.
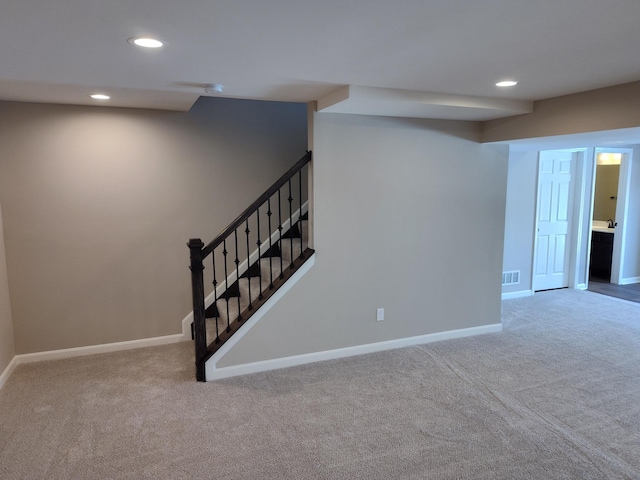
(553,396)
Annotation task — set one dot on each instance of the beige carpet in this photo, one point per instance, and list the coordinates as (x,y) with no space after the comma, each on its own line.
(554,396)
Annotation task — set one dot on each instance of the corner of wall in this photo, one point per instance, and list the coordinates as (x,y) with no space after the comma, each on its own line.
(4,376)
(312,107)
(7,340)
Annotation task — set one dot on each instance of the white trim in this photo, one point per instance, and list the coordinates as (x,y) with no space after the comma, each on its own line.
(265,365)
(589,200)
(519,294)
(210,365)
(581,286)
(186,326)
(95,349)
(629,280)
(88,350)
(622,207)
(579,206)
(231,278)
(8,371)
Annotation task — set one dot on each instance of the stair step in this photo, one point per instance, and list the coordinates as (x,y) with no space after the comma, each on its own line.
(290,253)
(250,286)
(263,267)
(270,272)
(224,331)
(273,251)
(269,266)
(221,304)
(298,247)
(292,232)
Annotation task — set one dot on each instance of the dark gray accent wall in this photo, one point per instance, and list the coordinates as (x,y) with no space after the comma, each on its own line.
(98,204)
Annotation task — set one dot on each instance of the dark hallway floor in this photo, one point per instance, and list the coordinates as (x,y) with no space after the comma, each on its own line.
(627,292)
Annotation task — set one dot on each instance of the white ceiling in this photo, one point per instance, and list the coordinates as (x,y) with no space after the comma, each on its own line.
(449,53)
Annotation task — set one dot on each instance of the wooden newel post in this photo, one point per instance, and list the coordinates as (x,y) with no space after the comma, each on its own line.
(197,287)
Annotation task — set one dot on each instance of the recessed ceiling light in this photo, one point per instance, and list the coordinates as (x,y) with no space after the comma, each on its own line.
(100,96)
(506,83)
(145,42)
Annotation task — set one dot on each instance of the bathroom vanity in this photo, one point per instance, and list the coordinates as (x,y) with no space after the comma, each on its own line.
(601,250)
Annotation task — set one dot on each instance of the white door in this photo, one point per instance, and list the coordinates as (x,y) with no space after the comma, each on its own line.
(553,240)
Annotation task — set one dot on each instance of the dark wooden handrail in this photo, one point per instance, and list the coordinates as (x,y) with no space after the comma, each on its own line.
(254,206)
(229,254)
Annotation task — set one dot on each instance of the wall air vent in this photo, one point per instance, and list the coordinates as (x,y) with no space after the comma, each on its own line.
(511,278)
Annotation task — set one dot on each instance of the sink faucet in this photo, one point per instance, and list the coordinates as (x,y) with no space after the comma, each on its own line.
(610,223)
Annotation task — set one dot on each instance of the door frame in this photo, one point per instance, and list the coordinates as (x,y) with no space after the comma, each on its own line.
(622,207)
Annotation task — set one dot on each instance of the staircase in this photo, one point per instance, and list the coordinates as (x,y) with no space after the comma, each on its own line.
(243,279)
(258,282)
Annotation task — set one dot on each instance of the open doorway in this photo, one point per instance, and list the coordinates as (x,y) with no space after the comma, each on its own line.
(611,190)
(603,219)
(584,193)
(527,255)
(610,198)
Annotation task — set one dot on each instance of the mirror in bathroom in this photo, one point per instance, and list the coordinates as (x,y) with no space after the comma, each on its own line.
(606,191)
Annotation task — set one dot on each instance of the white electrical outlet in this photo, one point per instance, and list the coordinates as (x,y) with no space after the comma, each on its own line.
(380,314)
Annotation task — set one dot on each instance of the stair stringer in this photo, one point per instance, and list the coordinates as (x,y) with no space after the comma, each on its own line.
(244,265)
(211,370)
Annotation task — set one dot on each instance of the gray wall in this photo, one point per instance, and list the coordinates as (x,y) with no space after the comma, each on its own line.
(631,265)
(520,217)
(7,346)
(99,203)
(594,111)
(409,216)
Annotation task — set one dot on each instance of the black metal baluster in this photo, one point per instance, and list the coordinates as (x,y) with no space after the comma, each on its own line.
(198,252)
(258,242)
(226,280)
(280,231)
(290,199)
(247,231)
(215,294)
(300,212)
(235,234)
(269,213)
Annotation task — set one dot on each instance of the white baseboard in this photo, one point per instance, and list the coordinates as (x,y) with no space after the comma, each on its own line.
(262,366)
(89,350)
(519,294)
(95,349)
(581,286)
(629,280)
(8,371)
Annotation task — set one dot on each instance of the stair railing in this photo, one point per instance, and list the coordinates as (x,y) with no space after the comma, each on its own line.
(278,210)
